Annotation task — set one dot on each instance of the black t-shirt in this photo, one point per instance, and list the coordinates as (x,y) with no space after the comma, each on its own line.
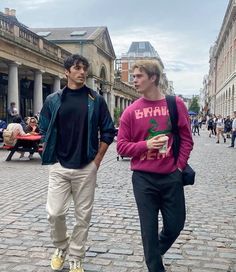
(72,125)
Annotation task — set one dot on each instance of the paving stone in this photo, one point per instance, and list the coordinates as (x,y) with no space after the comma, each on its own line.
(207,243)
(23,267)
(98,249)
(92,268)
(121,251)
(219,266)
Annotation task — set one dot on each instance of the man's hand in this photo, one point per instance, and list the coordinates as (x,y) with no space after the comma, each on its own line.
(97,160)
(156,142)
(101,152)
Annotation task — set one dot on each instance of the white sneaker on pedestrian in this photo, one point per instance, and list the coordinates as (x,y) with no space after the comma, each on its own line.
(76,266)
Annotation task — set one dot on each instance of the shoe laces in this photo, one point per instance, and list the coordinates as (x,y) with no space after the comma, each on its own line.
(75,264)
(59,253)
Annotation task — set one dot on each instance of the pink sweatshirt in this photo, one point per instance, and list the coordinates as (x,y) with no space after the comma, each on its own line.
(145,119)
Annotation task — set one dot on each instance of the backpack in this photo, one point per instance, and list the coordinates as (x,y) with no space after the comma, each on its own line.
(210,122)
(188,173)
(8,135)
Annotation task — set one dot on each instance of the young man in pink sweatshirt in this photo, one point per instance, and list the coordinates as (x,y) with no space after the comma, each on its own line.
(145,136)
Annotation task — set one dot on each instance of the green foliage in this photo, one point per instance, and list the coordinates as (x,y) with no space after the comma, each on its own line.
(194,106)
(117,114)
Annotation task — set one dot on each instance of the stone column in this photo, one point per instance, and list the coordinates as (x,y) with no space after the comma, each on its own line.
(38,91)
(56,84)
(109,101)
(122,103)
(126,103)
(105,97)
(112,102)
(90,82)
(13,85)
(118,102)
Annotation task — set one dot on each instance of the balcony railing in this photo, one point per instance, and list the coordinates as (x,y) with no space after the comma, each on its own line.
(11,29)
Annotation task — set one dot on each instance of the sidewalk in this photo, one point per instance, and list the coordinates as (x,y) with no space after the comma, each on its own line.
(207,244)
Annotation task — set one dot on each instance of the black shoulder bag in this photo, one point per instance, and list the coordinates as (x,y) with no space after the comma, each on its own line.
(188,172)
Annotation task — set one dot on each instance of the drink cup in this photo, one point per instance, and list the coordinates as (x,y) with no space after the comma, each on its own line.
(163,149)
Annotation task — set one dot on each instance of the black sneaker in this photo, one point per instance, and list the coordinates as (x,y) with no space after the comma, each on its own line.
(224,140)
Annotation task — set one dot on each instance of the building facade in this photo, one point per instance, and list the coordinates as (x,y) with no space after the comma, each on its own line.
(222,71)
(31,64)
(30,67)
(140,51)
(94,43)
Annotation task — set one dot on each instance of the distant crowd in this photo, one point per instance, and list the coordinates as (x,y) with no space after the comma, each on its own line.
(218,126)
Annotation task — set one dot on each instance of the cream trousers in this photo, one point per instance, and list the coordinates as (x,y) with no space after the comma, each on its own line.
(64,185)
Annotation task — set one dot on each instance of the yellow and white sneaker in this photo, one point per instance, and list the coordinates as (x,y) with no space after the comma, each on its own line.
(58,259)
(76,266)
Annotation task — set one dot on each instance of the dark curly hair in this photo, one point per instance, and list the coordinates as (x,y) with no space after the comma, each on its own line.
(74,60)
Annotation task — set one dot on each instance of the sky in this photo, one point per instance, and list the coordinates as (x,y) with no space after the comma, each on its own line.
(181,31)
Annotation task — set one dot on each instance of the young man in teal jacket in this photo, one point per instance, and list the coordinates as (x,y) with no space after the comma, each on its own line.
(77,129)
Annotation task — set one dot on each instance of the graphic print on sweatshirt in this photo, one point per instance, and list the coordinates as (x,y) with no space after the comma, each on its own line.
(156,120)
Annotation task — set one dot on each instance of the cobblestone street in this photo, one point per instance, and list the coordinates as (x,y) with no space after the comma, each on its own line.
(207,244)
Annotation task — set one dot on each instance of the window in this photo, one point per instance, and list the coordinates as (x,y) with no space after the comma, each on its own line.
(78,33)
(43,33)
(141,45)
(131,78)
(131,63)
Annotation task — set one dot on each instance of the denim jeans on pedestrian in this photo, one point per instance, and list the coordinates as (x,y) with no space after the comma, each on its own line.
(154,193)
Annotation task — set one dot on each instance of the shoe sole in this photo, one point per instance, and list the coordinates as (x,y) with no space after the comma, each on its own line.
(58,269)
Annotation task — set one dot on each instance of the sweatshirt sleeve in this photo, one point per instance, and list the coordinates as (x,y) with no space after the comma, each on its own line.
(125,146)
(186,141)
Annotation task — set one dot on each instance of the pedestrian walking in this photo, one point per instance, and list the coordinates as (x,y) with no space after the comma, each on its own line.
(233,130)
(220,129)
(228,126)
(196,126)
(210,125)
(77,129)
(145,135)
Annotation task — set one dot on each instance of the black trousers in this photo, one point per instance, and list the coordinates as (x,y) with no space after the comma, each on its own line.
(233,138)
(154,193)
(196,130)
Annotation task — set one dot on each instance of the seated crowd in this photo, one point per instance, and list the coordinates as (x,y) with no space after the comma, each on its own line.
(20,127)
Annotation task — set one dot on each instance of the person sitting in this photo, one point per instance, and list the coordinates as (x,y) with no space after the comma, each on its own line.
(32,126)
(33,129)
(10,134)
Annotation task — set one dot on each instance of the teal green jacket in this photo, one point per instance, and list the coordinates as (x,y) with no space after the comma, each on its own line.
(100,125)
